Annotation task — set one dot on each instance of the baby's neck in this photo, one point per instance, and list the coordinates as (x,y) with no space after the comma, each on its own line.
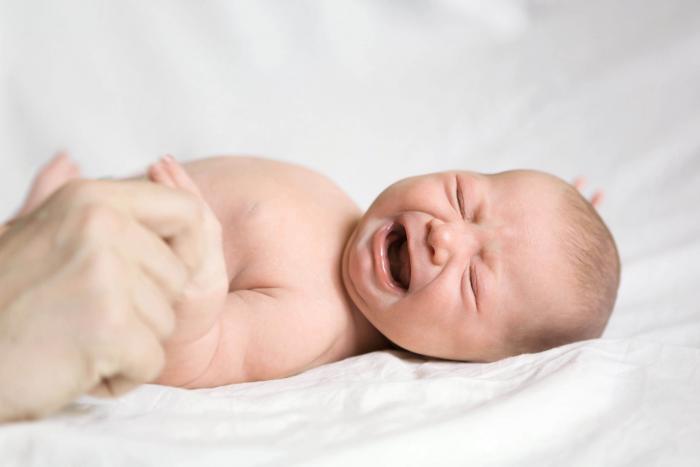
(365,337)
(362,336)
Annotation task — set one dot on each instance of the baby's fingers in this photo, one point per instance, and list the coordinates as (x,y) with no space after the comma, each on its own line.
(158,174)
(179,175)
(167,171)
(579,183)
(597,198)
(57,172)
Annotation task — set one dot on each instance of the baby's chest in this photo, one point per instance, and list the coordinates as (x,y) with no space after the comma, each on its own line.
(283,255)
(285,239)
(269,244)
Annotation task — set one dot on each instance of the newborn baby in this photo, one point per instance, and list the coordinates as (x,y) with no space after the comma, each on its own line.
(455,265)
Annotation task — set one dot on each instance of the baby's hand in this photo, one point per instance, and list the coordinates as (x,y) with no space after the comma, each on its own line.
(597,197)
(205,293)
(52,176)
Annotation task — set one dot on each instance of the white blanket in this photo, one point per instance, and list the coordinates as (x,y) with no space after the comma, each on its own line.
(369,92)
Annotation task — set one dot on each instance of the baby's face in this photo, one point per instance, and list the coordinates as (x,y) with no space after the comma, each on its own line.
(445,264)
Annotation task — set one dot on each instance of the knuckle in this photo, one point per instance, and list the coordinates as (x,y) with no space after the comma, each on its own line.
(95,221)
(99,269)
(108,320)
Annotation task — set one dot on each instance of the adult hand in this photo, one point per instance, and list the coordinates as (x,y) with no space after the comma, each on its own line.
(87,283)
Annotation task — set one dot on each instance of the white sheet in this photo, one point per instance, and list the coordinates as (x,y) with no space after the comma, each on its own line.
(368,92)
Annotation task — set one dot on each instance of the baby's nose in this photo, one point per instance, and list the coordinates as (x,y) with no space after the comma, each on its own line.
(445,239)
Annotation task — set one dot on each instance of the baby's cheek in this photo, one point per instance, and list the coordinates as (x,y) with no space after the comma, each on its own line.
(437,303)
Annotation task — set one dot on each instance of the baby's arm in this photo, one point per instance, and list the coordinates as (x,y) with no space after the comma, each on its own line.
(266,330)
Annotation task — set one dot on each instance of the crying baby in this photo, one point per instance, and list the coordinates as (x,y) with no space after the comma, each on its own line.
(455,265)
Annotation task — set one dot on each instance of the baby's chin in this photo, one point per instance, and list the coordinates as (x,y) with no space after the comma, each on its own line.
(345,266)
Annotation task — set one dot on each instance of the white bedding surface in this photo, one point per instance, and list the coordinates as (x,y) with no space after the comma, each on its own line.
(614,402)
(368,92)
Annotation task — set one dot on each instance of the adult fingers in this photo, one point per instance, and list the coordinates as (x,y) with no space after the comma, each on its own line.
(137,356)
(172,214)
(214,265)
(102,230)
(165,211)
(155,258)
(113,387)
(152,306)
(142,356)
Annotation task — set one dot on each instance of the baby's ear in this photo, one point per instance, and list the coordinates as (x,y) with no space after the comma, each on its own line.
(596,198)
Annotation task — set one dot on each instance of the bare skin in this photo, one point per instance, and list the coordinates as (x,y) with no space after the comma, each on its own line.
(447,264)
(292,280)
(285,309)
(89,281)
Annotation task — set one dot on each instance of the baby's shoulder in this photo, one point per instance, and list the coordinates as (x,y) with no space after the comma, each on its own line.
(239,184)
(266,176)
(282,223)
(235,185)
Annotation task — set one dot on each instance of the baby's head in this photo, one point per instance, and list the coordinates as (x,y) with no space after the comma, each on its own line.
(467,266)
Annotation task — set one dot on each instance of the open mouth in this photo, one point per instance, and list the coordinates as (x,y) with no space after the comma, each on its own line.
(398,257)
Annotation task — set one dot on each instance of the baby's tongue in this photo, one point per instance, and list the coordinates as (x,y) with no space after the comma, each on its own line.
(405,261)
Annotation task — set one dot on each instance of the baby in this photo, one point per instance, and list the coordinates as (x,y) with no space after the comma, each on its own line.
(455,265)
